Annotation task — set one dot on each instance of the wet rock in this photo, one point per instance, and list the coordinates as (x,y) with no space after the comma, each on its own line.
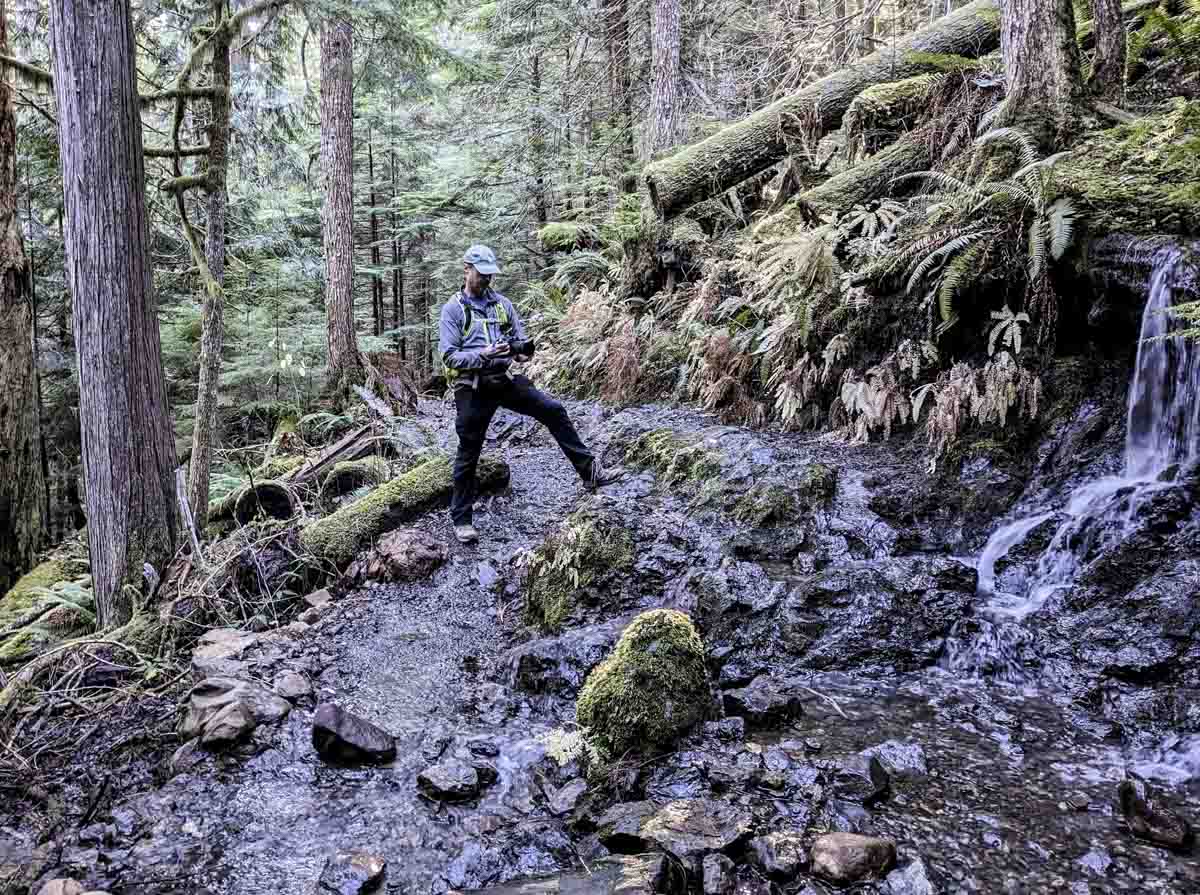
(767,702)
(900,759)
(566,797)
(318,599)
(651,689)
(293,686)
(340,736)
(1097,860)
(689,829)
(450,780)
(61,887)
(560,664)
(619,828)
(857,778)
(845,858)
(683,776)
(780,855)
(727,730)
(351,873)
(719,878)
(185,758)
(911,879)
(406,554)
(844,817)
(220,652)
(892,613)
(230,724)
(654,874)
(214,694)
(1151,820)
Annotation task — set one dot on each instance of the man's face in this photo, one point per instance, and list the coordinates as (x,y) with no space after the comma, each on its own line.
(476,281)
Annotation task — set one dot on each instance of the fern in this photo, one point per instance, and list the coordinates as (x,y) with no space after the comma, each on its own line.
(1062,227)
(957,273)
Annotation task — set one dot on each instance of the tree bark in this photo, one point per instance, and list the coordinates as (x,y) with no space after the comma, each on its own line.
(128,449)
(376,280)
(755,143)
(1041,64)
(212,331)
(537,143)
(620,88)
(1107,79)
(664,78)
(337,215)
(23,508)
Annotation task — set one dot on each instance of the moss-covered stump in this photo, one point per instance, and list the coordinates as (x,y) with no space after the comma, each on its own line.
(676,458)
(340,535)
(589,549)
(1138,178)
(650,690)
(352,474)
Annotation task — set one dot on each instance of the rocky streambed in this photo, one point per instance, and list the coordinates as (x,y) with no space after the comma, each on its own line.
(843,741)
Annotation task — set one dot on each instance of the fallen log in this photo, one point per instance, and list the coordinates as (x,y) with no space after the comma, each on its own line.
(354,445)
(869,179)
(755,143)
(340,535)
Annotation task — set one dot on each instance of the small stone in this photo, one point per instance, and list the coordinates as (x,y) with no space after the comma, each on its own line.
(212,695)
(232,723)
(1149,819)
(318,598)
(767,702)
(220,652)
(845,858)
(911,879)
(841,816)
(405,554)
(900,759)
(310,616)
(779,855)
(351,873)
(259,623)
(567,797)
(719,878)
(293,686)
(859,778)
(185,758)
(727,730)
(340,736)
(61,887)
(450,780)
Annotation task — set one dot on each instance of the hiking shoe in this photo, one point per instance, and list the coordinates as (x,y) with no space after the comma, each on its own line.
(601,476)
(466,534)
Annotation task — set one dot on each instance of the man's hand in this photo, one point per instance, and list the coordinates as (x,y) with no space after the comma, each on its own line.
(499,349)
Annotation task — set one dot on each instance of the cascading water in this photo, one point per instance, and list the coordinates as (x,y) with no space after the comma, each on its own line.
(1162,435)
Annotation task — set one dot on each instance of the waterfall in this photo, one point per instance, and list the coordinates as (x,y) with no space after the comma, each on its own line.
(1162,434)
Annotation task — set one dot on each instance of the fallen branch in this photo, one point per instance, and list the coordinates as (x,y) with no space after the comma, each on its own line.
(182,151)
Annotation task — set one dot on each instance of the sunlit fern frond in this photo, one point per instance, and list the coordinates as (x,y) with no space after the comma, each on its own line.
(1037,248)
(1026,147)
(946,250)
(1062,227)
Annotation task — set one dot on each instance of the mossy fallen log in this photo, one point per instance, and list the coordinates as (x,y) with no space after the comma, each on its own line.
(270,499)
(351,474)
(755,143)
(871,178)
(340,535)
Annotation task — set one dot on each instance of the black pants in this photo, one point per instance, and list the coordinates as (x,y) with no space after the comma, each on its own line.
(477,406)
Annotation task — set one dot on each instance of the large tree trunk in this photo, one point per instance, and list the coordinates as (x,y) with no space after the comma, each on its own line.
(1041,64)
(664,78)
(1107,79)
(755,143)
(337,215)
(23,516)
(537,143)
(212,337)
(620,88)
(128,449)
(376,280)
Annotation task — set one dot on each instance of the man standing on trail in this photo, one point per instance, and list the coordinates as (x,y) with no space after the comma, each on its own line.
(481,336)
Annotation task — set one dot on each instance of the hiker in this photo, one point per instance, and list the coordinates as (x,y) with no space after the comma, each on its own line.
(481,336)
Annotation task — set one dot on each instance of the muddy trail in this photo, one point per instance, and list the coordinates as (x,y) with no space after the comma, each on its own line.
(837,594)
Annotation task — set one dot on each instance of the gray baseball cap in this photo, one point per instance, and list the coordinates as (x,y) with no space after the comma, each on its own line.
(482,258)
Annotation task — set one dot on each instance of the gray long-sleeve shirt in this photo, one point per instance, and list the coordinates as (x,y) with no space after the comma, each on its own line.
(464,353)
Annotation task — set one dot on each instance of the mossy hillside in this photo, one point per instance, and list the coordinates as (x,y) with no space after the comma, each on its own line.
(676,458)
(27,593)
(340,535)
(652,688)
(589,548)
(1142,177)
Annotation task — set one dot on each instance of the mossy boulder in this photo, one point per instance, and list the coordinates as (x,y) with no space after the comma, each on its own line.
(818,484)
(340,535)
(588,551)
(651,689)
(766,504)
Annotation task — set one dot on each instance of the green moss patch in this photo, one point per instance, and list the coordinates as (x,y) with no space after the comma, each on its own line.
(674,457)
(340,535)
(589,548)
(818,484)
(27,593)
(765,504)
(652,688)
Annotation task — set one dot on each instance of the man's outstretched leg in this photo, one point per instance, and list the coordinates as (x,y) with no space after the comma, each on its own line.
(523,398)
(474,412)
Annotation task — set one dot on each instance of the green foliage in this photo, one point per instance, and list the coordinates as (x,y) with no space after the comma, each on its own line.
(652,688)
(588,548)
